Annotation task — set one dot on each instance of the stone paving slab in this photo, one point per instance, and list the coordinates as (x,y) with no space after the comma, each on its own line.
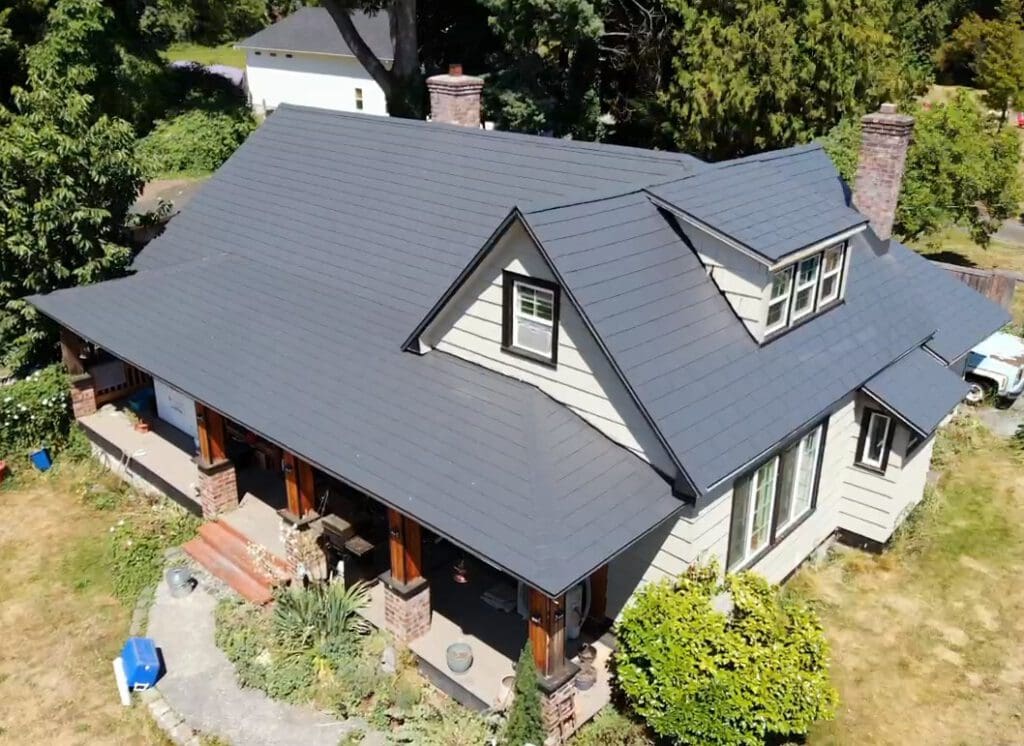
(201,689)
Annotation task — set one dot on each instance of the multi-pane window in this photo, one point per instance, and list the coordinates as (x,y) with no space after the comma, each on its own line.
(359,99)
(804,287)
(831,271)
(531,317)
(778,303)
(875,440)
(773,498)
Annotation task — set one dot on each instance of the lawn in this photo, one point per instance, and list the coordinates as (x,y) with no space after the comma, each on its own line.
(222,54)
(927,637)
(61,624)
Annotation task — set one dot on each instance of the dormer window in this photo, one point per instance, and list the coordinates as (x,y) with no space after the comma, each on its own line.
(805,287)
(530,318)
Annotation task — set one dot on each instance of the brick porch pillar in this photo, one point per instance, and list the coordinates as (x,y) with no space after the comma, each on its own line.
(406,591)
(218,485)
(83,395)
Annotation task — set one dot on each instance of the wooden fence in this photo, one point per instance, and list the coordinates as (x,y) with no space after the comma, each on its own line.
(995,284)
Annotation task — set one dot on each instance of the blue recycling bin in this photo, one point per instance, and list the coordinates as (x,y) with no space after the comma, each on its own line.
(41,459)
(141,663)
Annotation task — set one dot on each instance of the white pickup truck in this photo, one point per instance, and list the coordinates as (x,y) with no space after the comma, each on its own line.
(995,368)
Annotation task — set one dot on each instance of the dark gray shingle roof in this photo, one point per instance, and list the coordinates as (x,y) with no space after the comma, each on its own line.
(774,205)
(717,397)
(316,366)
(313,30)
(919,389)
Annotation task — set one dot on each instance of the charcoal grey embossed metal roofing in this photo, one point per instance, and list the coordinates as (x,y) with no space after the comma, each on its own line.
(311,30)
(919,389)
(282,294)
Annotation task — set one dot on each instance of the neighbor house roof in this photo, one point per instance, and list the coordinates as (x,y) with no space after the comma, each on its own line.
(313,31)
(281,296)
(919,389)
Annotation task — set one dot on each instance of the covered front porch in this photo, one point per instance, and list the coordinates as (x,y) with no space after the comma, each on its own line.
(272,514)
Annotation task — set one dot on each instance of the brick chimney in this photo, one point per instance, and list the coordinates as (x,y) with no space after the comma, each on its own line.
(455,98)
(885,137)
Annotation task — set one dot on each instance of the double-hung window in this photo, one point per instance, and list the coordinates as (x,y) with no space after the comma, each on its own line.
(774,498)
(530,318)
(831,275)
(875,440)
(806,286)
(359,99)
(778,303)
(811,284)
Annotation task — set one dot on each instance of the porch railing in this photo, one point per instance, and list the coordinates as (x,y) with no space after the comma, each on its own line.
(116,380)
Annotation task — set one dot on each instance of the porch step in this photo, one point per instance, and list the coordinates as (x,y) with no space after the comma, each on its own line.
(225,555)
(279,562)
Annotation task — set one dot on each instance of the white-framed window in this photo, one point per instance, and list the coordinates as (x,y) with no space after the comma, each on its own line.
(773,498)
(778,301)
(875,440)
(831,275)
(359,99)
(806,286)
(530,317)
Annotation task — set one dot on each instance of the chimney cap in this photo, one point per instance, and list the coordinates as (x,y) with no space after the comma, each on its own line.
(888,108)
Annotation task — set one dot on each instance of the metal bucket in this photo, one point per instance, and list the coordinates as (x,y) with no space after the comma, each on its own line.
(179,581)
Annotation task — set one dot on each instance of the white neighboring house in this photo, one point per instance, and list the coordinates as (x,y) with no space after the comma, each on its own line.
(304,60)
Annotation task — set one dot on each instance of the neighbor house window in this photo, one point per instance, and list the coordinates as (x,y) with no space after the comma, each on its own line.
(359,99)
(875,440)
(774,497)
(530,317)
(804,287)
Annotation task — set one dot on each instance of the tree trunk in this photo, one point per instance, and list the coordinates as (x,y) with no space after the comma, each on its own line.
(402,83)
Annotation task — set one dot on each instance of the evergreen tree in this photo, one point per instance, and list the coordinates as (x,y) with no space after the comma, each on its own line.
(525,724)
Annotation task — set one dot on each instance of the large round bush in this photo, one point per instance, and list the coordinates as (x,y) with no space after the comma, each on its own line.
(700,675)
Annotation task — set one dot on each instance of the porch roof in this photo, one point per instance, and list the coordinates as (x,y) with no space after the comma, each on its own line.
(919,389)
(489,462)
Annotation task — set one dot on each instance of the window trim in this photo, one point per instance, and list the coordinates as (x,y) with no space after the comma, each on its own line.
(778,533)
(508,317)
(785,300)
(813,285)
(824,302)
(817,306)
(867,415)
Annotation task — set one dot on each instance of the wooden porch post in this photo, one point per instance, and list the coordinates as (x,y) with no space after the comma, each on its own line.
(547,633)
(599,594)
(83,392)
(218,486)
(406,546)
(298,480)
(71,347)
(212,435)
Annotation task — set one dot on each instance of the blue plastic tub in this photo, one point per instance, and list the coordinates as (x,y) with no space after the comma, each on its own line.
(141,663)
(41,459)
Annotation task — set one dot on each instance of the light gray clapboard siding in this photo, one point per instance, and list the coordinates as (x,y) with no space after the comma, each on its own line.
(470,328)
(848,497)
(742,280)
(873,504)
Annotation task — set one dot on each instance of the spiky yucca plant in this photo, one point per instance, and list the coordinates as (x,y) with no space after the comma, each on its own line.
(322,616)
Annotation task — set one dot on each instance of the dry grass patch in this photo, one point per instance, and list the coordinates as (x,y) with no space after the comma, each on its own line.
(61,624)
(928,639)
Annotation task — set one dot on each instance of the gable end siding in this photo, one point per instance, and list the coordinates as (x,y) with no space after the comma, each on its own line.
(470,327)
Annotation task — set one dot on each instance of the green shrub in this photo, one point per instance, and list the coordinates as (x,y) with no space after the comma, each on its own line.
(611,728)
(193,142)
(525,724)
(137,544)
(697,675)
(322,617)
(35,412)
(445,724)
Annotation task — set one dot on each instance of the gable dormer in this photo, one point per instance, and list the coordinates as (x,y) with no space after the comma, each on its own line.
(510,314)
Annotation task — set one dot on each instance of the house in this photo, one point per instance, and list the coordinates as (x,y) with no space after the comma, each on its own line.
(303,60)
(520,376)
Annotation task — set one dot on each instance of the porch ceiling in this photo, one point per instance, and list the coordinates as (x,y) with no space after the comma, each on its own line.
(488,462)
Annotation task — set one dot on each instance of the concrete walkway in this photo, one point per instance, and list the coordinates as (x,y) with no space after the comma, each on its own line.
(200,684)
